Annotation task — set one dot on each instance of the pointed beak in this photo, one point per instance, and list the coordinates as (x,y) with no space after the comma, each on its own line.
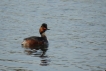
(48,29)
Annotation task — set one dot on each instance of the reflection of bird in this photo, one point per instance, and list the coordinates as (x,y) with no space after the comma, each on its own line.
(44,62)
(35,42)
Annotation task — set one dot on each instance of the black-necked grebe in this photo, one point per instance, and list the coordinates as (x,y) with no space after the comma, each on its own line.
(35,42)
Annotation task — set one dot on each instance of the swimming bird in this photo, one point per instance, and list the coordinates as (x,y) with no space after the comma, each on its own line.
(35,42)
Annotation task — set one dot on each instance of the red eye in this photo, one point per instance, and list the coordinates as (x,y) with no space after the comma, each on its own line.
(44,28)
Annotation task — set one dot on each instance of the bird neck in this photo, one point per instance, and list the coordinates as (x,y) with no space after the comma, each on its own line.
(43,35)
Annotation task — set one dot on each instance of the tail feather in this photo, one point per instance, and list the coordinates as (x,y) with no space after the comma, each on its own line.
(23,43)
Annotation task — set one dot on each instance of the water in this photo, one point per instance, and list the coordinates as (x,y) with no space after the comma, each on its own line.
(77,39)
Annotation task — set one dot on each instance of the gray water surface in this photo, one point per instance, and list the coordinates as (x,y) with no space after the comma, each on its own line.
(77,39)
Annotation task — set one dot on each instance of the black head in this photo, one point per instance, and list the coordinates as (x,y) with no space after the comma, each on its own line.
(45,25)
(43,28)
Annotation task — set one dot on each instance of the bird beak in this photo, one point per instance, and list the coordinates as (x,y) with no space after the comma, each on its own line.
(48,29)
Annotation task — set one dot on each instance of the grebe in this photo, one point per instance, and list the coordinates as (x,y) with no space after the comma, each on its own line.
(35,42)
